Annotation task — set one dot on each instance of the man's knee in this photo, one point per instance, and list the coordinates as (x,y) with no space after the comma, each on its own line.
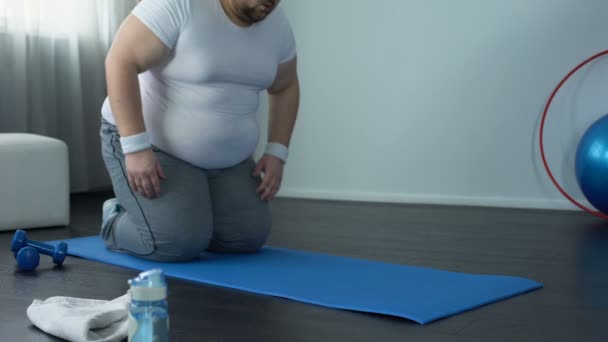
(249,236)
(249,245)
(180,248)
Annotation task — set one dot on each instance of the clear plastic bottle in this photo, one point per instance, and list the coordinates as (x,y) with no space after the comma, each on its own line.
(148,312)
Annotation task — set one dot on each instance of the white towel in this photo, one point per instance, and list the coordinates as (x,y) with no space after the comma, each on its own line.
(82,320)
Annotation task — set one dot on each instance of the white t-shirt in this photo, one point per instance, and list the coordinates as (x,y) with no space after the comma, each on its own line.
(201,104)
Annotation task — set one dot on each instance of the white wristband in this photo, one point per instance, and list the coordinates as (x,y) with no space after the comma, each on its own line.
(277,150)
(135,143)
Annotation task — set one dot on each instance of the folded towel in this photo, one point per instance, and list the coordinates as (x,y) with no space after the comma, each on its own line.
(78,319)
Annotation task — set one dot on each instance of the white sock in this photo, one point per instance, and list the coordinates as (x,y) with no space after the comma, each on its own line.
(109,211)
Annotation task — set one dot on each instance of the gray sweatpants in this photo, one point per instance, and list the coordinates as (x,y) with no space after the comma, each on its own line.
(198,210)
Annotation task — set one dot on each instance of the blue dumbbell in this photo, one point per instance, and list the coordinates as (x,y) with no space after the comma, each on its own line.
(28,258)
(57,252)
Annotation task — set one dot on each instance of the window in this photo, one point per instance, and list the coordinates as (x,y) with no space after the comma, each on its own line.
(3,16)
(57,18)
(49,17)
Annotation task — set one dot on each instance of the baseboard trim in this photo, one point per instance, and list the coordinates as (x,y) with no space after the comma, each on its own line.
(478,201)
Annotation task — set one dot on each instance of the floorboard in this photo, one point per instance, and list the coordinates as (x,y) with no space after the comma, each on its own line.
(567,251)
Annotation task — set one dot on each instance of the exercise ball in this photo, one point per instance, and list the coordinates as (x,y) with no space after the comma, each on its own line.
(592,164)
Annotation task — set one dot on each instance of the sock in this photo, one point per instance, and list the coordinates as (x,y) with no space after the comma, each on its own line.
(110,210)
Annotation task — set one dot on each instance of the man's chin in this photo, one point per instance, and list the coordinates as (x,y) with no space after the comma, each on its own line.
(254,17)
(259,17)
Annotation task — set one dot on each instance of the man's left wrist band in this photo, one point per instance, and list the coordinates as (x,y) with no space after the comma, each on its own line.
(278,150)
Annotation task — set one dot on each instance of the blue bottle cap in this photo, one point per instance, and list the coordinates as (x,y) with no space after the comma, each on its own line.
(149,286)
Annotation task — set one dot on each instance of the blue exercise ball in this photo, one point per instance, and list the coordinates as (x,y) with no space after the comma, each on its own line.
(592,164)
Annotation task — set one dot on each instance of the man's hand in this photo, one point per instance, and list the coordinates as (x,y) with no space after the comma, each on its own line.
(272,168)
(144,172)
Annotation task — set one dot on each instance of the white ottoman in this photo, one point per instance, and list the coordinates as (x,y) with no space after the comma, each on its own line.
(34,182)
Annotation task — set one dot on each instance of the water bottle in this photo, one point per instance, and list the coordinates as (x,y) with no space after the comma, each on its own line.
(148,312)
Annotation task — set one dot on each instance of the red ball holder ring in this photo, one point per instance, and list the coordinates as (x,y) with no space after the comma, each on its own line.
(542,127)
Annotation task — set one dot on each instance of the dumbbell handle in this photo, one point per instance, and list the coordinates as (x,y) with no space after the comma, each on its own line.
(42,247)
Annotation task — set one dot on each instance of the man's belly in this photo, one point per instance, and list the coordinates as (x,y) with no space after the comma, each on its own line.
(206,140)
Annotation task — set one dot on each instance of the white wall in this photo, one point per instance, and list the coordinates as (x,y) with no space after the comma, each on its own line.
(439,101)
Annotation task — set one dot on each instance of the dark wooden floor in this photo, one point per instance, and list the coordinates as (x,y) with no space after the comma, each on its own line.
(567,251)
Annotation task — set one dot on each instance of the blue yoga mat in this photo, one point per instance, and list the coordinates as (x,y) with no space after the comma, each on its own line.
(415,293)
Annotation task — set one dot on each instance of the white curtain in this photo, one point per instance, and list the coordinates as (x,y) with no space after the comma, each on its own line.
(52,75)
